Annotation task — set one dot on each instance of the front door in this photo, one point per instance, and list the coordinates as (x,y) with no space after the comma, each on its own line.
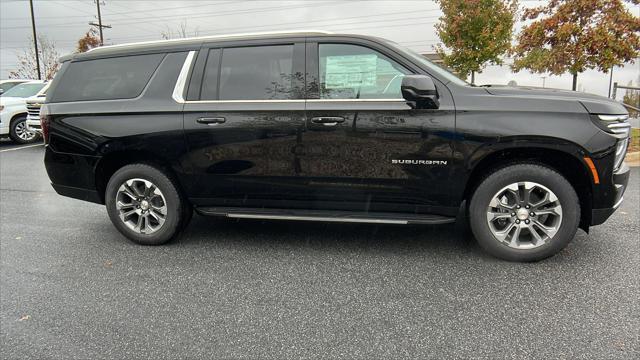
(365,149)
(243,122)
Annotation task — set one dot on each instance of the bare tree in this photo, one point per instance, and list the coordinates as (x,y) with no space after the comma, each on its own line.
(27,69)
(182,31)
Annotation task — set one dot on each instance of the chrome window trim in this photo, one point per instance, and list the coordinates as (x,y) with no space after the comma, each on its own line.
(288,101)
(357,100)
(181,84)
(242,101)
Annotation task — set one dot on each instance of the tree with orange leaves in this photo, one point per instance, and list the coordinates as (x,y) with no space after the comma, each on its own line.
(576,35)
(89,41)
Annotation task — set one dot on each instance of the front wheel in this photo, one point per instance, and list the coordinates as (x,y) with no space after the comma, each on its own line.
(145,205)
(524,212)
(19,133)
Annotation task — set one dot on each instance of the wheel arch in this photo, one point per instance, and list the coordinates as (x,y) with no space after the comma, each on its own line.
(111,162)
(565,158)
(16,116)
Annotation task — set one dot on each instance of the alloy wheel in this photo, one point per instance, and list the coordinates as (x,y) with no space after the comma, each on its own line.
(524,215)
(141,206)
(23,133)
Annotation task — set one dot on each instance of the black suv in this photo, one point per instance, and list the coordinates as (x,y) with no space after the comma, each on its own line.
(325,127)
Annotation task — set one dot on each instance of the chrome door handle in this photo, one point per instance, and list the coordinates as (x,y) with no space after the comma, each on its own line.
(211,120)
(327,120)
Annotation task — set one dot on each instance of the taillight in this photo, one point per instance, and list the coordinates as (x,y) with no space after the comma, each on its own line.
(44,122)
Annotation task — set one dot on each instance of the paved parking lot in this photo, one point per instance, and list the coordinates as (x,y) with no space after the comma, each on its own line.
(73,288)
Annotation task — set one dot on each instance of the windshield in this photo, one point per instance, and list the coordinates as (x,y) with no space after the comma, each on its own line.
(24,90)
(432,67)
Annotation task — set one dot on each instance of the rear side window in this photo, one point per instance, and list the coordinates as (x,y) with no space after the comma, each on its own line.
(106,79)
(251,73)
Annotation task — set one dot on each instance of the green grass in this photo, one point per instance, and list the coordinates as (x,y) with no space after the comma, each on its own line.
(635,140)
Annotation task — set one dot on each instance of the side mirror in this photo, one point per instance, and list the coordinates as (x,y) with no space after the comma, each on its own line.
(420,92)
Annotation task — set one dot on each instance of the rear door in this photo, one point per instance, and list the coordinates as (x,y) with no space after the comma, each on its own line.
(366,149)
(243,117)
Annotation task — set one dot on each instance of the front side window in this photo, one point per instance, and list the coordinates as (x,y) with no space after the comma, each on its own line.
(255,73)
(357,72)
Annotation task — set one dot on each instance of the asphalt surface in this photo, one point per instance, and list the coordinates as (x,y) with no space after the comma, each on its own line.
(73,288)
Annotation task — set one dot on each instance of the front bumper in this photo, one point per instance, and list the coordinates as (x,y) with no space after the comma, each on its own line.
(620,181)
(33,125)
(4,127)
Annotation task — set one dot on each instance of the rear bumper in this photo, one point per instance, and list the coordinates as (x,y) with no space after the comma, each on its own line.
(78,193)
(72,175)
(620,181)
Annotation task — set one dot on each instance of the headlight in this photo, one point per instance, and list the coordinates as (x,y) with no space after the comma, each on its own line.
(618,126)
(1,107)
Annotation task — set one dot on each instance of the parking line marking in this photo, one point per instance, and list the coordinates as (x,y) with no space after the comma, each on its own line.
(22,147)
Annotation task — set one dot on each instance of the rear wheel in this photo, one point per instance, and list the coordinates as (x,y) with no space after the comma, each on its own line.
(524,212)
(145,205)
(19,133)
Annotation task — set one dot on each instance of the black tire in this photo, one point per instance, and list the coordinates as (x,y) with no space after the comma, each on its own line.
(13,131)
(178,209)
(520,172)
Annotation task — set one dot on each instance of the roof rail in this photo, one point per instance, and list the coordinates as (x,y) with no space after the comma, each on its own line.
(214,37)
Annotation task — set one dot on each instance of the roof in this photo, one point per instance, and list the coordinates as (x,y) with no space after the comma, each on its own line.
(187,43)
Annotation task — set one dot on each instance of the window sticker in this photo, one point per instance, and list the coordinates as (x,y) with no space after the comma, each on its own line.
(350,71)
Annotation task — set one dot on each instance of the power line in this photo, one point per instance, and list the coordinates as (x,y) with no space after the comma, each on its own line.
(118,13)
(162,18)
(326,22)
(270,27)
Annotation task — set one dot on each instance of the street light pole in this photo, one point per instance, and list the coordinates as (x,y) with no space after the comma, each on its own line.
(35,40)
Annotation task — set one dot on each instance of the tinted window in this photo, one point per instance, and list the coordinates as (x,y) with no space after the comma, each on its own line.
(210,80)
(256,73)
(357,72)
(106,79)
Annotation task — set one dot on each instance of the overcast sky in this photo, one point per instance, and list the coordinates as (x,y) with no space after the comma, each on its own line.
(407,22)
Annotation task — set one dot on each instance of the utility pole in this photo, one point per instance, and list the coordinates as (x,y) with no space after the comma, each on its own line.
(99,24)
(35,39)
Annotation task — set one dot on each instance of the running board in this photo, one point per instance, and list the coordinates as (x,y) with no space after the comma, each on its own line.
(325,215)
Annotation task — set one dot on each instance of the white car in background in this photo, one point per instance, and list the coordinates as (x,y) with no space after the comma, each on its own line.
(13,111)
(34,104)
(8,84)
